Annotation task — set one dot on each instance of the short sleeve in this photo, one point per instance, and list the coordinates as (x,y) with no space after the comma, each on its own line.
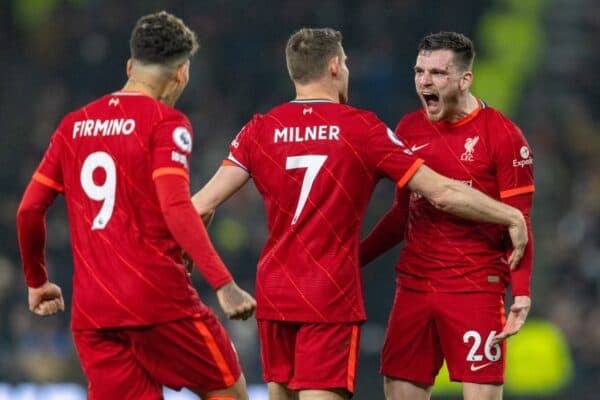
(390,156)
(513,159)
(49,172)
(401,130)
(171,147)
(241,147)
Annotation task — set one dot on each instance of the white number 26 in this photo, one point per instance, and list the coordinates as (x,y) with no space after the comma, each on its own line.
(104,192)
(492,353)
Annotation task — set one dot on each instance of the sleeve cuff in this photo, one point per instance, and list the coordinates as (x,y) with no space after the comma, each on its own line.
(409,173)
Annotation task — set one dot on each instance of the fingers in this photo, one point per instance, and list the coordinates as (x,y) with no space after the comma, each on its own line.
(499,338)
(235,302)
(508,331)
(515,258)
(244,312)
(188,263)
(512,327)
(49,307)
(46,299)
(519,239)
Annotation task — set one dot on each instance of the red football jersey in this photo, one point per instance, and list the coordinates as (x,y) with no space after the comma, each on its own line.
(442,252)
(315,164)
(104,156)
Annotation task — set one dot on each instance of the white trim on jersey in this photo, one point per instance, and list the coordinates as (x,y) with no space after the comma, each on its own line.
(311,101)
(127,94)
(231,158)
(393,138)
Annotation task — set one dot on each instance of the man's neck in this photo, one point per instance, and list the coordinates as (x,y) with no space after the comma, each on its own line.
(466,105)
(316,90)
(147,84)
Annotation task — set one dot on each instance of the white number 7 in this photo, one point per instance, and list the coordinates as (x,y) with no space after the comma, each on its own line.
(312,164)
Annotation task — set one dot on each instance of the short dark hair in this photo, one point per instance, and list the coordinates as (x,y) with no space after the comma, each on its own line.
(309,50)
(162,38)
(459,44)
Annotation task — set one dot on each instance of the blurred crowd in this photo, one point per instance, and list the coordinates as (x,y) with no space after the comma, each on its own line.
(60,54)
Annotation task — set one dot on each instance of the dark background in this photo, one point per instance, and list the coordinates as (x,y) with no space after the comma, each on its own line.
(536,62)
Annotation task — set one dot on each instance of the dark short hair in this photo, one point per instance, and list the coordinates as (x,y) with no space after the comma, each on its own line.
(162,38)
(459,44)
(308,52)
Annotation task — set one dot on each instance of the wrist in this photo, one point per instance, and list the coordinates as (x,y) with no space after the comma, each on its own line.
(516,218)
(36,283)
(225,284)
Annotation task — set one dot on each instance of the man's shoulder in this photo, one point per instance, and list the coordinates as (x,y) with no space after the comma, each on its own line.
(498,122)
(306,108)
(410,121)
(495,115)
(148,106)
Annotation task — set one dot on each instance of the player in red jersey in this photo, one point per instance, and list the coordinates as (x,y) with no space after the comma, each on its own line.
(315,162)
(122,164)
(452,273)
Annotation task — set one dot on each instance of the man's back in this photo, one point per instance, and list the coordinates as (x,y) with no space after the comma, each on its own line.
(315,163)
(105,156)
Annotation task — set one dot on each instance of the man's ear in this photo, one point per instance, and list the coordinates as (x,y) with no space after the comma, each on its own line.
(182,73)
(466,81)
(129,67)
(334,66)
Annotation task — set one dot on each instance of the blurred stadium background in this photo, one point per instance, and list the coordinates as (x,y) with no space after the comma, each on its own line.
(537,61)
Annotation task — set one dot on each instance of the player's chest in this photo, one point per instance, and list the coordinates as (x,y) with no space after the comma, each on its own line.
(458,155)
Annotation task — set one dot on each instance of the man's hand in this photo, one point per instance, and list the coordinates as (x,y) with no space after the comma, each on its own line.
(518,237)
(46,299)
(188,263)
(235,302)
(516,318)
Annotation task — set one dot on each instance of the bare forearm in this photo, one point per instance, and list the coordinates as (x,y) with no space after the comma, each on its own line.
(461,200)
(226,181)
(206,211)
(466,202)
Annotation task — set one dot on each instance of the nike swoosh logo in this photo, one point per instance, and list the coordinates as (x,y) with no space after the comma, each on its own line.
(416,148)
(478,367)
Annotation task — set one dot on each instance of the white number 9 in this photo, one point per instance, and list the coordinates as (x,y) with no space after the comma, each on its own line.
(104,192)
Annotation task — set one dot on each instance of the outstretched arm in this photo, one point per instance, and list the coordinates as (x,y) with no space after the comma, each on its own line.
(461,200)
(388,232)
(189,231)
(225,182)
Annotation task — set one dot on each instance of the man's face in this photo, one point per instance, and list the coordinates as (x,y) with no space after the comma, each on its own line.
(437,80)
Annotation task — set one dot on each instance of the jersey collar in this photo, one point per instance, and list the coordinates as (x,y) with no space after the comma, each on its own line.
(466,119)
(311,101)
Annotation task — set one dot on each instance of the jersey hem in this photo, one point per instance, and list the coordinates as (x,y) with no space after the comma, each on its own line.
(308,320)
(194,311)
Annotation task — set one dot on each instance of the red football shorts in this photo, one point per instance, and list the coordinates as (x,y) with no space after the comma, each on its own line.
(424,328)
(309,355)
(135,363)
